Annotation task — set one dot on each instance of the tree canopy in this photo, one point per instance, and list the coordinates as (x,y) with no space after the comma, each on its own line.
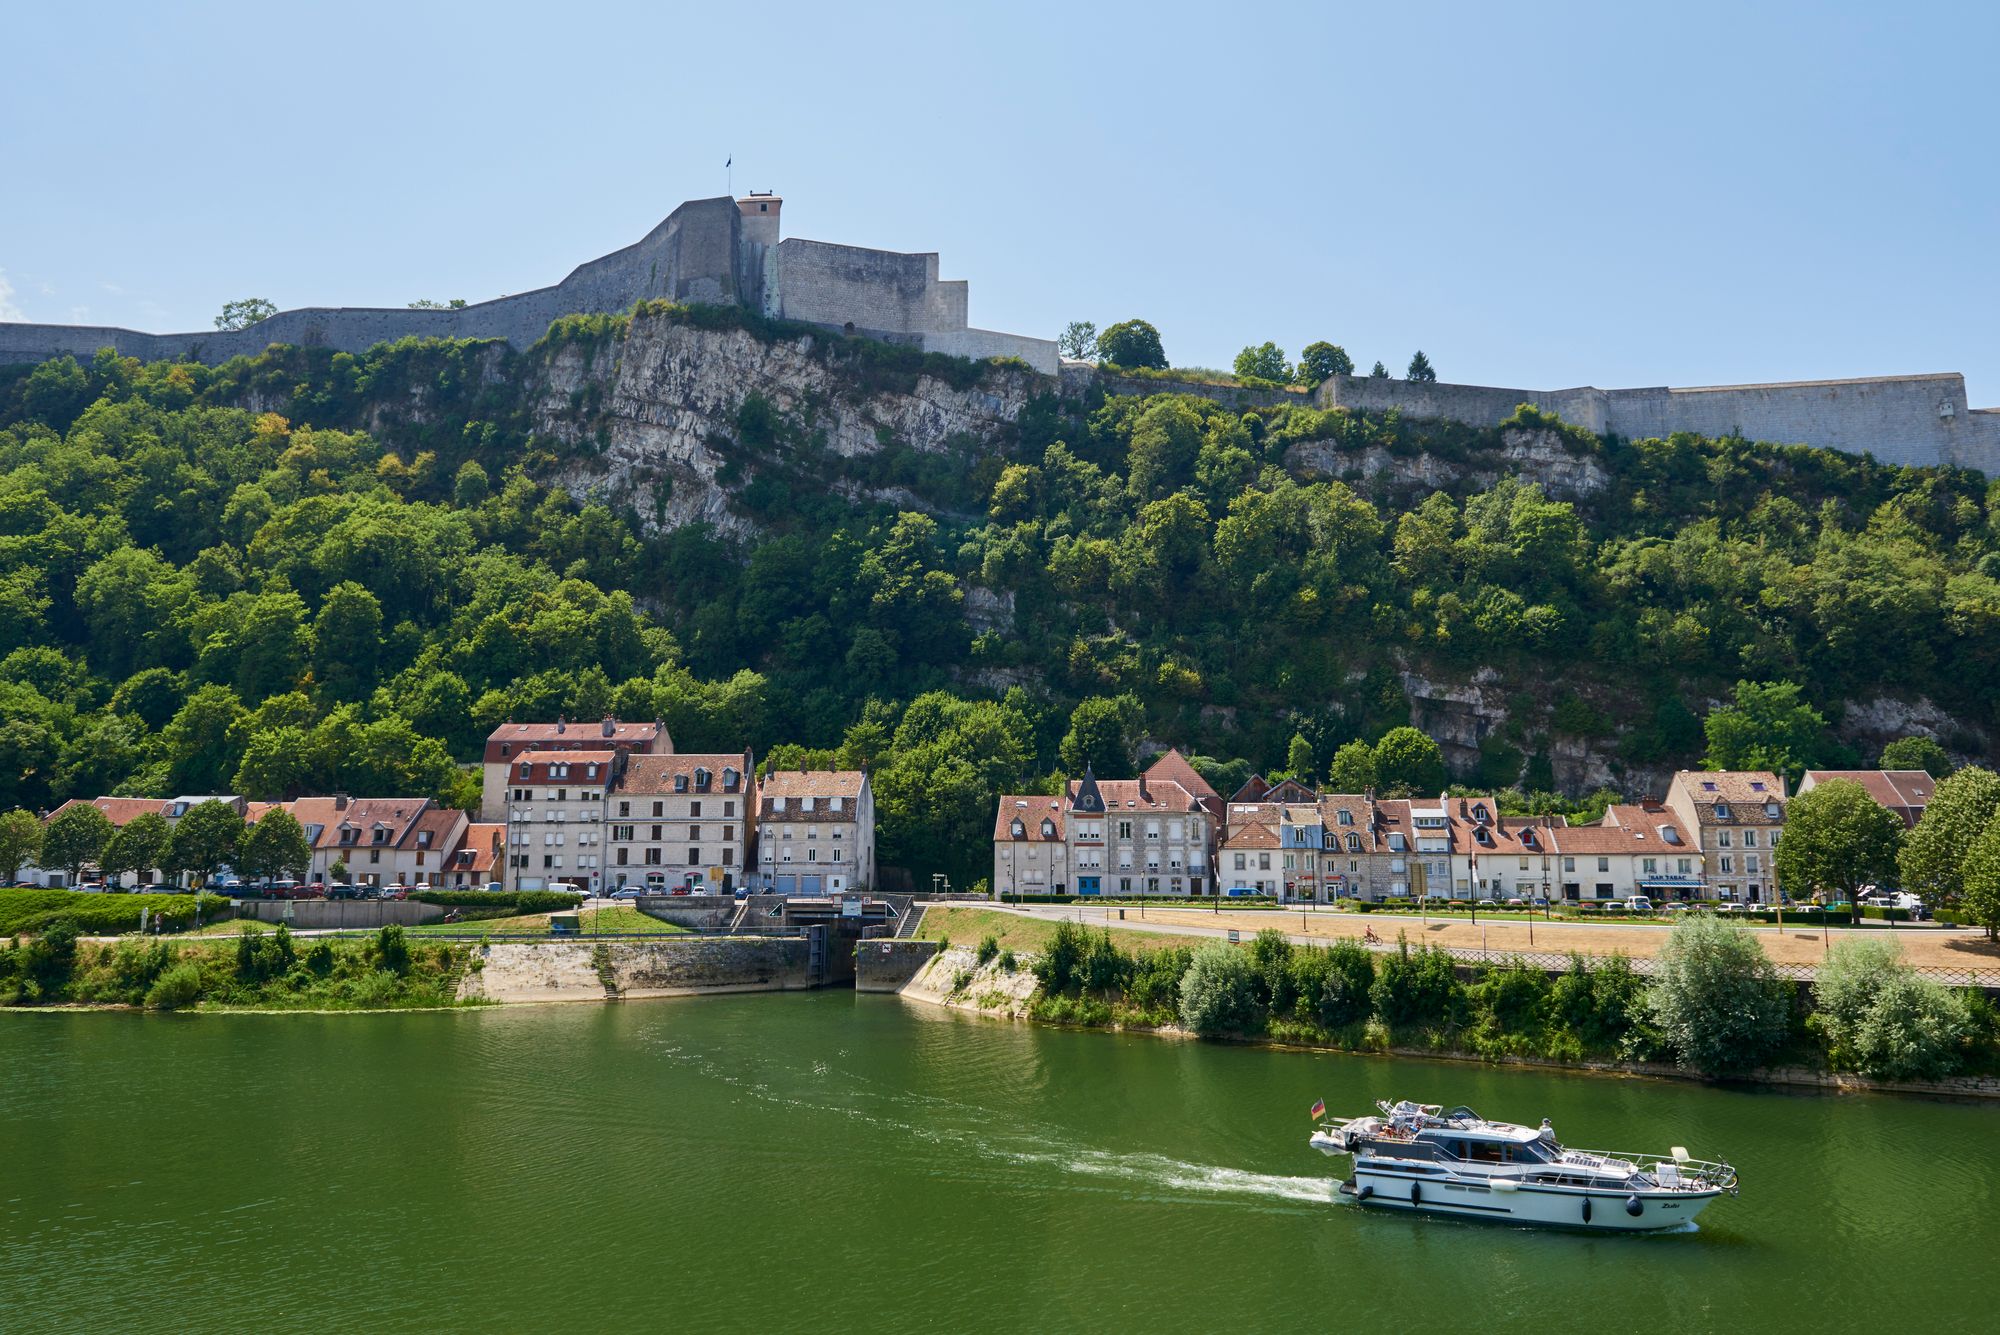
(1132,343)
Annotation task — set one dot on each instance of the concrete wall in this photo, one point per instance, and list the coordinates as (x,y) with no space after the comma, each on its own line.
(679,966)
(310,913)
(1079,377)
(980,344)
(877,291)
(887,966)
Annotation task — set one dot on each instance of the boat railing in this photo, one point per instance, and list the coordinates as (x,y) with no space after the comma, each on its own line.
(1674,1172)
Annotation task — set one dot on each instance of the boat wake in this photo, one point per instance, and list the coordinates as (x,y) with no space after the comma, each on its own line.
(1174,1175)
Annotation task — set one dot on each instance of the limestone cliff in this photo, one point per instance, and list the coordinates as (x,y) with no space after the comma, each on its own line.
(653,418)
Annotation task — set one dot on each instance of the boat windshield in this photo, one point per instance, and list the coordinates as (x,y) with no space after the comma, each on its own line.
(1476,1150)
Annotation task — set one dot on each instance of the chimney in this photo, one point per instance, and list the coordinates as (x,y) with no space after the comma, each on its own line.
(340,801)
(610,725)
(562,725)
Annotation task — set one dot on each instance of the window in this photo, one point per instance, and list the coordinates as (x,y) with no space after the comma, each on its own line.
(728,833)
(1722,811)
(625,809)
(1345,817)
(656,831)
(694,810)
(1124,829)
(1647,865)
(1018,830)
(1722,838)
(729,807)
(694,857)
(1524,864)
(1604,864)
(1749,838)
(1263,862)
(1239,862)
(1750,863)
(694,831)
(1048,829)
(1728,864)
(1569,864)
(680,784)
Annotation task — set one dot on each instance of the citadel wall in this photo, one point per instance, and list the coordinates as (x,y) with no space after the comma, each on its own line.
(1918,420)
(705,251)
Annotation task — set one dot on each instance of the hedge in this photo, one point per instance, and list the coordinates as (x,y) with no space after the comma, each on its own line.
(1120,901)
(102,914)
(520,901)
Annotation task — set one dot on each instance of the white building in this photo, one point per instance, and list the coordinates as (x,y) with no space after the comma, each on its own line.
(1030,856)
(815,832)
(683,822)
(555,818)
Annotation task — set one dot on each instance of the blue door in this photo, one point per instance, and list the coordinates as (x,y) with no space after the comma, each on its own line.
(809,885)
(1087,885)
(788,885)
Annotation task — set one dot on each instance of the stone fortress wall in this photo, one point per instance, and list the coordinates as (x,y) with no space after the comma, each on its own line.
(1916,420)
(721,251)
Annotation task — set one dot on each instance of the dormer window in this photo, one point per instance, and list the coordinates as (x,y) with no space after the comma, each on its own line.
(1048,829)
(527,770)
(1479,813)
(423,839)
(1756,785)
(680,783)
(590,771)
(834,803)
(1773,810)
(729,778)
(1397,843)
(1345,817)
(701,777)
(1722,811)
(1354,843)
(1018,830)
(778,802)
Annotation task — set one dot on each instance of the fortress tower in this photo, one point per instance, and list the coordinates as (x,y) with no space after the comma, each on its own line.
(760,209)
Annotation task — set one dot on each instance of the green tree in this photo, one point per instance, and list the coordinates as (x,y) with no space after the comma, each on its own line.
(74,837)
(1219,992)
(1767,728)
(1103,736)
(1378,372)
(1918,753)
(20,842)
(1353,769)
(1933,860)
(1078,341)
(276,846)
(1716,999)
(347,637)
(200,744)
(1981,878)
(1320,361)
(1837,840)
(1265,362)
(206,839)
(1132,343)
(1883,1020)
(1408,761)
(1165,442)
(1299,761)
(140,844)
(1420,368)
(243,313)
(471,487)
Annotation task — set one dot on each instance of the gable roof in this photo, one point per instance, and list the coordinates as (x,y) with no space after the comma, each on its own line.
(120,811)
(655,774)
(1031,811)
(1745,792)
(510,739)
(1907,789)
(1173,767)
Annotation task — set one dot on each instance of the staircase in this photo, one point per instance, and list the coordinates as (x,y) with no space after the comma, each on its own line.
(913,918)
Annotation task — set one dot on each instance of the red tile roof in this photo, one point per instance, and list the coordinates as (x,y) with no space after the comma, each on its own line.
(1031,811)
(1173,767)
(1157,795)
(120,811)
(655,774)
(510,739)
(1907,791)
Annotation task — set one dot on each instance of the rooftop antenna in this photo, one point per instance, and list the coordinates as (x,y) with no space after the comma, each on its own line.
(729,168)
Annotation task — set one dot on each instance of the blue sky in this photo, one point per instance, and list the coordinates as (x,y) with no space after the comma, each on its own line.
(1538,197)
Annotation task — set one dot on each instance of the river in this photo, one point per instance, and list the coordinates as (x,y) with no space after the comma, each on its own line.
(860,1163)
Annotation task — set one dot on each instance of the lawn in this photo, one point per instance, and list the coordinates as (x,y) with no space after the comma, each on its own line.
(617,919)
(969,926)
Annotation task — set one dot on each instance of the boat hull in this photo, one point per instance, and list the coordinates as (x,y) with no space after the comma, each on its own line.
(1596,1210)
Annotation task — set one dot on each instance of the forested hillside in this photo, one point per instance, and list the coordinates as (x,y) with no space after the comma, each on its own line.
(311,571)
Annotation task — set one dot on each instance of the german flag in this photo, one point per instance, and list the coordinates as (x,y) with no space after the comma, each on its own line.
(1319,1109)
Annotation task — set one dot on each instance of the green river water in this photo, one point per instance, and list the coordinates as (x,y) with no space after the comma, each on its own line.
(837,1162)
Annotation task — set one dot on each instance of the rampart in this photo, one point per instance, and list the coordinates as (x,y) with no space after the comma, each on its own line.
(705,251)
(1917,420)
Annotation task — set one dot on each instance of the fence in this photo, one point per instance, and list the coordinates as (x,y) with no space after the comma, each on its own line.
(1558,961)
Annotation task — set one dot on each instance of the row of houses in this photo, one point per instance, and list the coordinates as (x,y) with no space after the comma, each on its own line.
(1712,836)
(601,807)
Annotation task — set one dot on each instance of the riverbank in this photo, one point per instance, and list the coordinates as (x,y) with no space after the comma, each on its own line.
(1591,1019)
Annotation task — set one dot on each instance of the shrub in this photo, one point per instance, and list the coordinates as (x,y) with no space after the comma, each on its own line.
(392,950)
(1105,968)
(1915,1030)
(1271,958)
(520,901)
(1601,1007)
(1219,992)
(1344,998)
(989,946)
(1007,962)
(1155,985)
(1880,1018)
(1057,969)
(1716,998)
(1418,987)
(177,987)
(1511,1002)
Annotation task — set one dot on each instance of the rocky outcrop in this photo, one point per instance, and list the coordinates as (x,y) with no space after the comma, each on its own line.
(654,417)
(1538,455)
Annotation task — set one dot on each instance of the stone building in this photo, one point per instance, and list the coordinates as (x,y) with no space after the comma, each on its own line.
(815,832)
(506,743)
(1906,792)
(1030,852)
(682,823)
(1637,849)
(1249,857)
(1152,835)
(380,840)
(555,817)
(1735,818)
(478,859)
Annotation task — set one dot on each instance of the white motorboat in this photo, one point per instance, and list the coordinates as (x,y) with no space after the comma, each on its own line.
(1417,1157)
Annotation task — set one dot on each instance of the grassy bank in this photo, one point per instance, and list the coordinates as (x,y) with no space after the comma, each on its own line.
(97,914)
(1714,1008)
(614,919)
(257,971)
(1012,931)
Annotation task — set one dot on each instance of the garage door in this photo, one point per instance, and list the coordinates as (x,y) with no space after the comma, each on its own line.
(810,885)
(788,885)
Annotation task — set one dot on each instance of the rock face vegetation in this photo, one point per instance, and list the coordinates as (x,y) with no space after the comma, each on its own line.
(308,571)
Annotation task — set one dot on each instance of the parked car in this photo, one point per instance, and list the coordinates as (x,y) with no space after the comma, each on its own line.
(342,891)
(493,887)
(1641,904)
(626,893)
(1517,903)
(1539,902)
(90,887)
